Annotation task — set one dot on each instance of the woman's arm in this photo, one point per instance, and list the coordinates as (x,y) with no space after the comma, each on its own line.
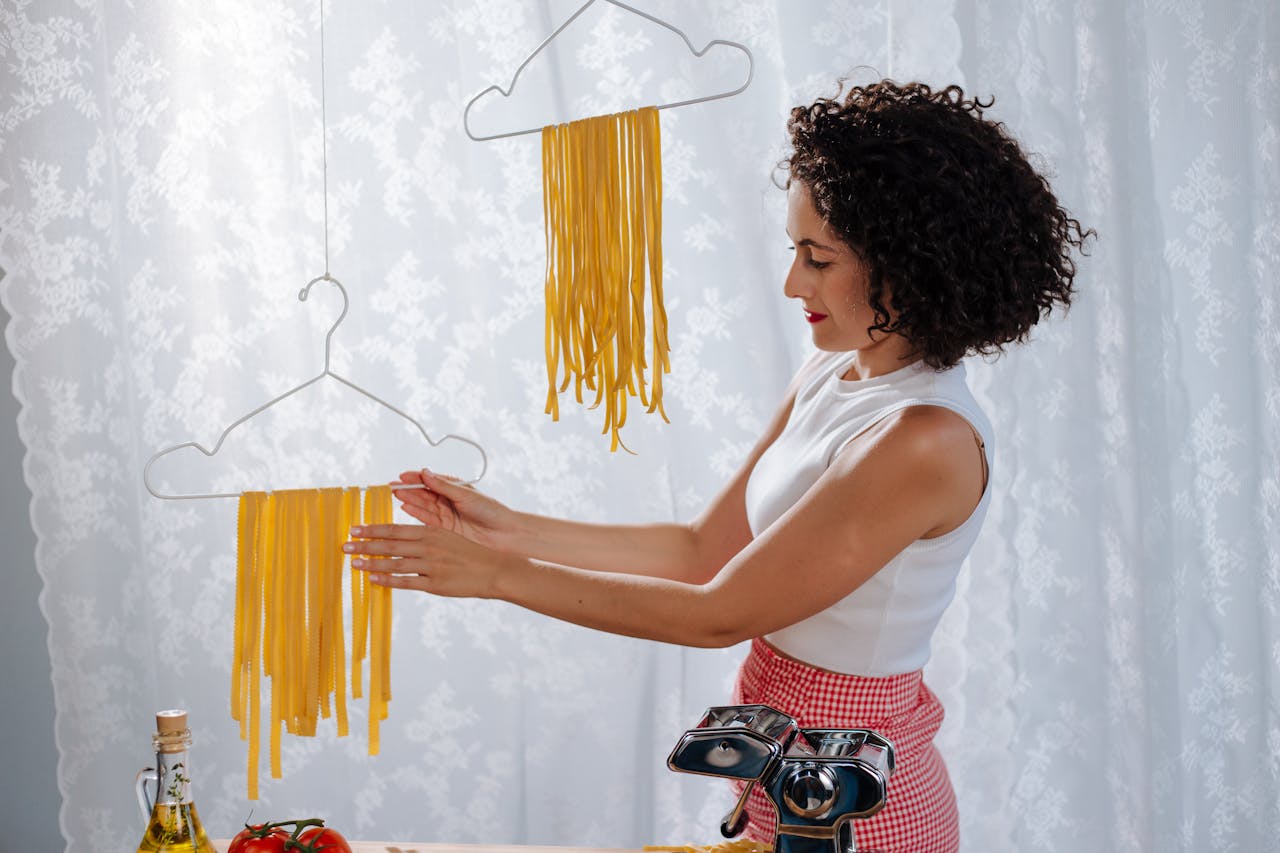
(690,553)
(446,504)
(909,476)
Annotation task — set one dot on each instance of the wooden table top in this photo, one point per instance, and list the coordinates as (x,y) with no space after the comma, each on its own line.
(415,847)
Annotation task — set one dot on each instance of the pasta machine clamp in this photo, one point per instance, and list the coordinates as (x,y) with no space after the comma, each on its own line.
(819,780)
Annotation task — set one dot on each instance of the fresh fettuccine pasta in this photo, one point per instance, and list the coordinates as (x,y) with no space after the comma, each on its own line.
(602,202)
(289,617)
(736,845)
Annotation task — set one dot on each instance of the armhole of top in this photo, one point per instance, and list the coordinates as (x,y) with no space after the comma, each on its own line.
(940,403)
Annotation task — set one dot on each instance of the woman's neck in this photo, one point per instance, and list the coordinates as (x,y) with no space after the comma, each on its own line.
(890,353)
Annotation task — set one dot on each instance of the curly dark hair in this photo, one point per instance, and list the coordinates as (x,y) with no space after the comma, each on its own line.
(964,239)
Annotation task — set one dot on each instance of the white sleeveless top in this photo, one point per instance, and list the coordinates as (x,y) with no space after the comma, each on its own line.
(883,627)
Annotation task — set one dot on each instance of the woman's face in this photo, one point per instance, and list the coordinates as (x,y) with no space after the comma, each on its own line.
(828,278)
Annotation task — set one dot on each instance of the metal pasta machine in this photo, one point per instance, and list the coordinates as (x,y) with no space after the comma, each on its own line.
(819,780)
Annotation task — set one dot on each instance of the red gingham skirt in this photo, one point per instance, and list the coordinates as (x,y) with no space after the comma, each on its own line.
(919,815)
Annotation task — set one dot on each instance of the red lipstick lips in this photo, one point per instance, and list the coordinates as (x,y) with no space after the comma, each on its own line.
(813,316)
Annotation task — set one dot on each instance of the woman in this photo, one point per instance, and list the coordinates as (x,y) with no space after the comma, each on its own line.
(921,234)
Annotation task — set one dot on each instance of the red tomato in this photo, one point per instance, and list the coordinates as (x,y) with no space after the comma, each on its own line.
(323,840)
(248,840)
(266,844)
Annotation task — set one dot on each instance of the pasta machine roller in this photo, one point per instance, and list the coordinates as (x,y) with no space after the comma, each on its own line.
(819,780)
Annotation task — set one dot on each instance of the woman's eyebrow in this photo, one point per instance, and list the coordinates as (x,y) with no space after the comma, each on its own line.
(811,243)
(814,244)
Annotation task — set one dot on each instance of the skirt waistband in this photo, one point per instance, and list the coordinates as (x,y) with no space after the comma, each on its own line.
(857,699)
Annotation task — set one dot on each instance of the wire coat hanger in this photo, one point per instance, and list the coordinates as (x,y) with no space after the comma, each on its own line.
(506,93)
(302,297)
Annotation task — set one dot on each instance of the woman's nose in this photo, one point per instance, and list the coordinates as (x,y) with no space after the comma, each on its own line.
(795,285)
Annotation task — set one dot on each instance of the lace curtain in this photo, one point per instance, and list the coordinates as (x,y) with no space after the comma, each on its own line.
(1108,666)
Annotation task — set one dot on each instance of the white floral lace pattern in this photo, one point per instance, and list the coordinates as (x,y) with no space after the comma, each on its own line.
(1106,663)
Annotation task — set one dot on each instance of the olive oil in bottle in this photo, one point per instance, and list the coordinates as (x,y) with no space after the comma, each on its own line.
(164,792)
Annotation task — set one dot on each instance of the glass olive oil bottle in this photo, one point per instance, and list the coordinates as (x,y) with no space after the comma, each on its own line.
(164,792)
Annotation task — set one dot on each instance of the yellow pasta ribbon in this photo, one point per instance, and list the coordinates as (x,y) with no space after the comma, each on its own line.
(602,207)
(377,510)
(247,661)
(735,845)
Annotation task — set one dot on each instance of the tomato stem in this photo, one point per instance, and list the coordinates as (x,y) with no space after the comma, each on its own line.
(300,825)
(262,830)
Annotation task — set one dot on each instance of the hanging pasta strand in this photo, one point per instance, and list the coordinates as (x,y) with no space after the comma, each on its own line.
(377,510)
(246,664)
(323,541)
(247,518)
(273,655)
(291,615)
(653,243)
(336,659)
(551,183)
(288,624)
(602,207)
(312,533)
(359,604)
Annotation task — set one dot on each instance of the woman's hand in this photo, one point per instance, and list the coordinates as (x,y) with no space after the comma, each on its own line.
(430,558)
(447,504)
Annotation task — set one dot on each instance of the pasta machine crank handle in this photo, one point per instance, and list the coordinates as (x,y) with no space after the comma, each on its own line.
(736,820)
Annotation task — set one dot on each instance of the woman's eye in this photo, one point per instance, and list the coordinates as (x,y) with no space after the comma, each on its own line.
(817,265)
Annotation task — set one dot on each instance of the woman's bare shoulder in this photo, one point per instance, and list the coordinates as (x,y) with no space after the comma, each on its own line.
(930,450)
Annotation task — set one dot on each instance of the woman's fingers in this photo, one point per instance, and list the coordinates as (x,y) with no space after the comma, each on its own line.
(430,479)
(390,565)
(381,548)
(387,540)
(423,499)
(445,484)
(420,582)
(397,540)
(426,516)
(387,531)
(419,502)
(420,496)
(423,557)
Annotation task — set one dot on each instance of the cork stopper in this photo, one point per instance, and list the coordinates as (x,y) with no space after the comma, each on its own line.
(171,722)
(171,734)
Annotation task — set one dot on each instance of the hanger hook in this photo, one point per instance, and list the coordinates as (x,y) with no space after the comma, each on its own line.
(306,291)
(506,93)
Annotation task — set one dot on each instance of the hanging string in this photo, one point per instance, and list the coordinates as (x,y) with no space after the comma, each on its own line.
(324,145)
